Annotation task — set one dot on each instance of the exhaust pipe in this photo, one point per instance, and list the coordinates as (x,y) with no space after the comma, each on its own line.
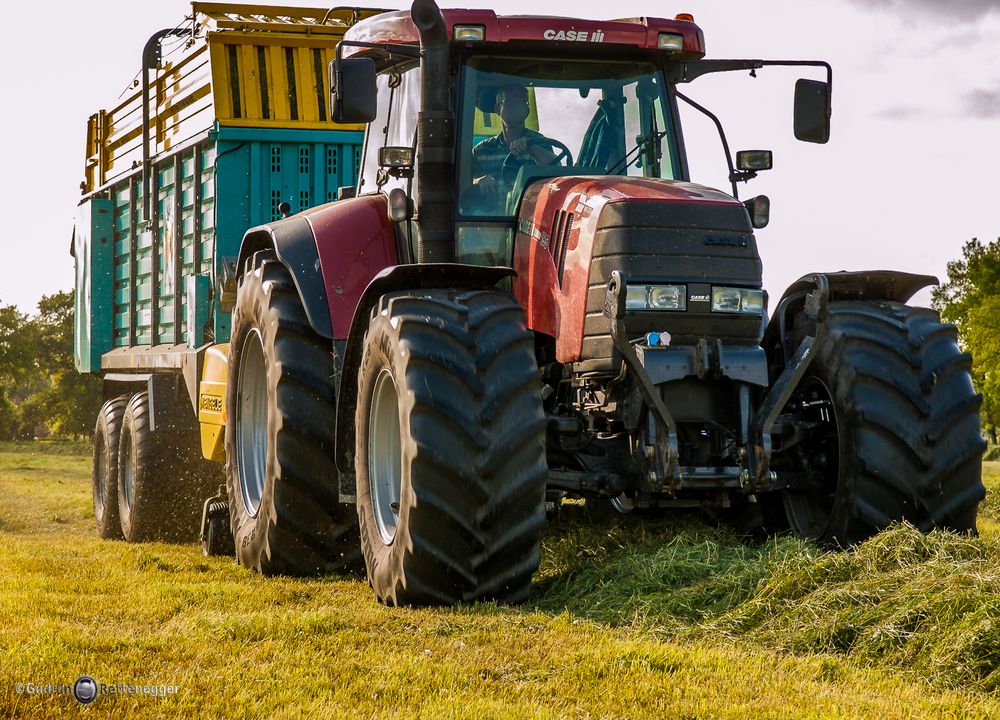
(435,199)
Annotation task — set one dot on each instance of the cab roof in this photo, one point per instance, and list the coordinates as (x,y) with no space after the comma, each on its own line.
(396,28)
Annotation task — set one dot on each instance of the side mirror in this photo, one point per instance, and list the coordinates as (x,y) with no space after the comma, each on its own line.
(354,95)
(812,111)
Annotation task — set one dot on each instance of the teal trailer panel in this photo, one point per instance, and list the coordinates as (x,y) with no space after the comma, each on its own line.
(258,169)
(137,287)
(93,251)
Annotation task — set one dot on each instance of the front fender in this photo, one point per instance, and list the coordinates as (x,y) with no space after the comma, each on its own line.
(866,285)
(888,285)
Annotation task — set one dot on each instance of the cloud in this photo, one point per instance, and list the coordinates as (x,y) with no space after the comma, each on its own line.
(962,10)
(901,112)
(983,104)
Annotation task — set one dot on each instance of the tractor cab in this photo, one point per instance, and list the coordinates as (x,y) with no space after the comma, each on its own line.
(522,99)
(529,98)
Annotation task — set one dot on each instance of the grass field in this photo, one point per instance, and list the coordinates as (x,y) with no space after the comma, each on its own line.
(628,618)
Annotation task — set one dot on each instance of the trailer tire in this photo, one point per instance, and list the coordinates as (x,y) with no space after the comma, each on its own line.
(450,449)
(900,438)
(281,479)
(161,481)
(217,534)
(104,476)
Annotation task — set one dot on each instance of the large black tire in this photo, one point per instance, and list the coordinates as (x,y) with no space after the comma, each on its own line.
(162,478)
(895,427)
(104,476)
(450,461)
(283,488)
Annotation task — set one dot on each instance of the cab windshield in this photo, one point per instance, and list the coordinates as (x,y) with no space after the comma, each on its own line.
(525,117)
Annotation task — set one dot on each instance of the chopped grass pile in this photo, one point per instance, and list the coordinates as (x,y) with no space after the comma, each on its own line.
(924,604)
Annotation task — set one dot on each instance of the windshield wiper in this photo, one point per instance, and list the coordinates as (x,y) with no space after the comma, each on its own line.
(643,143)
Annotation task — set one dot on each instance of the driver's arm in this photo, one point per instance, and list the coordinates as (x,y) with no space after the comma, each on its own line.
(538,153)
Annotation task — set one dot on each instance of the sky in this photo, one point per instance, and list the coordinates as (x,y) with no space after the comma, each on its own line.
(907,177)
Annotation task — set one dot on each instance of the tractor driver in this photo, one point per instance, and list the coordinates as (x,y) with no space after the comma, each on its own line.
(496,160)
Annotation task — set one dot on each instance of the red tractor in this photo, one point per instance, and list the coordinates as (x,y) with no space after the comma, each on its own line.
(525,299)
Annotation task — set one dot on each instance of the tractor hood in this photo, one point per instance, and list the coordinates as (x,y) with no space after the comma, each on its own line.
(574,231)
(615,188)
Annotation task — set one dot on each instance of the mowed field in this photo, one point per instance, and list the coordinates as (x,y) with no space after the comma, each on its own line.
(629,618)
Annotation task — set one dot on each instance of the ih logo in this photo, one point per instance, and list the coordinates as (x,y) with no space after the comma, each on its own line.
(574,35)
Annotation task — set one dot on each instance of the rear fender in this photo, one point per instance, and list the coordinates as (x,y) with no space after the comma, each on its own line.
(392,279)
(331,251)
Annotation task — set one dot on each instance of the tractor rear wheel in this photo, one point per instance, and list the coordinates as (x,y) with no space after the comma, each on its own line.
(450,460)
(889,427)
(105,469)
(282,484)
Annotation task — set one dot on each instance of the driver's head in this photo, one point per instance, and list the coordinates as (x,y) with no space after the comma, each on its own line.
(512,105)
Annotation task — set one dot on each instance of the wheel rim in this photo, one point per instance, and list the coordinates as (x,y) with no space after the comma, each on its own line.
(127,469)
(385,456)
(810,510)
(251,422)
(100,476)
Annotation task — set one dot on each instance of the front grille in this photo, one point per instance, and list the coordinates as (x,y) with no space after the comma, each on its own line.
(669,242)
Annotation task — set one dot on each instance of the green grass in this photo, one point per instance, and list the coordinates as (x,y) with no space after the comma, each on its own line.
(667,619)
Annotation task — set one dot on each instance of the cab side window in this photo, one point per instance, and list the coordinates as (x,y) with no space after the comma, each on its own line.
(395,124)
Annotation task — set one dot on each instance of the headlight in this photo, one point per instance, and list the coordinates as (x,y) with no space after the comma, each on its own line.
(738,300)
(671,42)
(469,33)
(656,297)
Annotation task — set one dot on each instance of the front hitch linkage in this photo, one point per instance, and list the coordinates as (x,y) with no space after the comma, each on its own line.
(814,312)
(666,439)
(758,476)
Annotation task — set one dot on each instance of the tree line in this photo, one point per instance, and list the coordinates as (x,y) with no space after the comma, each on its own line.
(41,393)
(970,298)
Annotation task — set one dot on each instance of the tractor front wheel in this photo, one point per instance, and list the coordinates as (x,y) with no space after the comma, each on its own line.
(450,460)
(887,428)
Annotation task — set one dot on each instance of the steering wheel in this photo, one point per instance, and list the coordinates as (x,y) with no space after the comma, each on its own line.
(563,154)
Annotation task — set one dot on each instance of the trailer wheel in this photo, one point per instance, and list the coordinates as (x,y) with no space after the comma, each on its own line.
(161,480)
(281,480)
(450,441)
(889,427)
(105,469)
(217,532)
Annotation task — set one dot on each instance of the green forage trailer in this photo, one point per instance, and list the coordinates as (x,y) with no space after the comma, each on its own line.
(224,127)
